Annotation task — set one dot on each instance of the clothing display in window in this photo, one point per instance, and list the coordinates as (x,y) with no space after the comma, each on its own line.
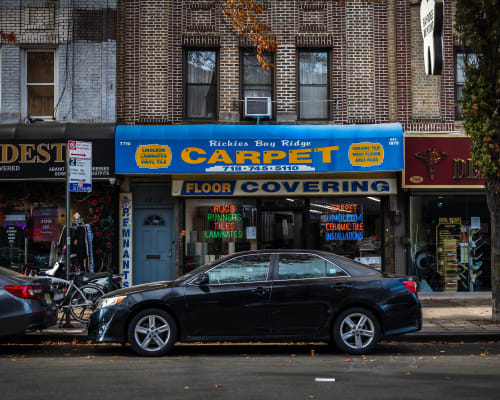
(81,256)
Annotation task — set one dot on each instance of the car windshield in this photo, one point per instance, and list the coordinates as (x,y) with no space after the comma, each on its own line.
(7,272)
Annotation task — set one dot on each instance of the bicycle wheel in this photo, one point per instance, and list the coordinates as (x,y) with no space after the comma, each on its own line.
(83,302)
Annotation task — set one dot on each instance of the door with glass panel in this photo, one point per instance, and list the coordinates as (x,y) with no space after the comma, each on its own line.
(283,223)
(153,246)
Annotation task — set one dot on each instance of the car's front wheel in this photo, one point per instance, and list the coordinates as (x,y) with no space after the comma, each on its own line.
(152,332)
(356,331)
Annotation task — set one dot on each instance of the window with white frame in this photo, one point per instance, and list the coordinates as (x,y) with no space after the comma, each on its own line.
(39,84)
(460,61)
(313,85)
(200,84)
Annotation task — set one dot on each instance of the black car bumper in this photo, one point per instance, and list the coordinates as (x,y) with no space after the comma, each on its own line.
(108,325)
(403,318)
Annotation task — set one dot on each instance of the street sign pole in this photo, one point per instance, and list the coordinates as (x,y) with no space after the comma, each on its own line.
(67,323)
(68,211)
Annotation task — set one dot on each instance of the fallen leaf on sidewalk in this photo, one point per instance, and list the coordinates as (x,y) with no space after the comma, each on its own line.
(186,387)
(218,385)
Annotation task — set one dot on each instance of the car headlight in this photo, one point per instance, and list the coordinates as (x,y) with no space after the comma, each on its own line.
(110,301)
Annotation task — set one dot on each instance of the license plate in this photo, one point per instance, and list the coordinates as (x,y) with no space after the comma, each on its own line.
(48,300)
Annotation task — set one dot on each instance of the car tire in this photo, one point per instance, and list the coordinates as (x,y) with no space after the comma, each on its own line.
(356,331)
(152,332)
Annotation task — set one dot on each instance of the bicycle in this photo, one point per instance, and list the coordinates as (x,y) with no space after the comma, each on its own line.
(78,299)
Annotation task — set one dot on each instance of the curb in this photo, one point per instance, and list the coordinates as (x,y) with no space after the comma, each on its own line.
(425,337)
(417,337)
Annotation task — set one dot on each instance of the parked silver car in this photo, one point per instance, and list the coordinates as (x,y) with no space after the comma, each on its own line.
(25,303)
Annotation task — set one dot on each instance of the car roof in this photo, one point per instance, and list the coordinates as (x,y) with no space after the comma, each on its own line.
(354,268)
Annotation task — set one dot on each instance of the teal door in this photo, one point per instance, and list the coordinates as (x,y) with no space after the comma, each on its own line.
(153,246)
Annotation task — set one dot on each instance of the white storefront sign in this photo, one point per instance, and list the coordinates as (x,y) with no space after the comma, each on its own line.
(125,238)
(431,23)
(282,187)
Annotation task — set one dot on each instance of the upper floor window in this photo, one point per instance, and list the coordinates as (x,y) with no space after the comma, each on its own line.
(39,84)
(201,84)
(256,81)
(460,59)
(313,85)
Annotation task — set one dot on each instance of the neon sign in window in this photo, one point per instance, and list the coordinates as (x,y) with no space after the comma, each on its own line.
(345,222)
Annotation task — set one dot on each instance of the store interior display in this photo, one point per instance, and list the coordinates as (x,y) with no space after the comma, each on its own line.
(32,220)
(217,228)
(450,243)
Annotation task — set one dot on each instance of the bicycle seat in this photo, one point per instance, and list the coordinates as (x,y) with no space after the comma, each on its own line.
(96,275)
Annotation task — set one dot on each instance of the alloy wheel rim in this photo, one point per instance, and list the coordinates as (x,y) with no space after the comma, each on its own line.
(152,332)
(357,331)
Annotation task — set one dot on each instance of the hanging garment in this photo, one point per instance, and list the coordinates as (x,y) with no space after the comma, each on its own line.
(91,253)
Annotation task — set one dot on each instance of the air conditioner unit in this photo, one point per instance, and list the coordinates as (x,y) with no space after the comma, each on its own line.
(258,107)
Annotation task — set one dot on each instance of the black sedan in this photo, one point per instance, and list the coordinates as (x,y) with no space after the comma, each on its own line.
(262,295)
(25,303)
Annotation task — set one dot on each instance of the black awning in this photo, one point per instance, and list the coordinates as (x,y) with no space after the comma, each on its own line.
(38,150)
(56,131)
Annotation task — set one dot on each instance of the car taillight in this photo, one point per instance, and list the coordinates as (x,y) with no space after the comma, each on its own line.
(411,286)
(26,291)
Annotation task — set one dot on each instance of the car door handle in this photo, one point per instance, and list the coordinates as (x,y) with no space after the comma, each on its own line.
(338,288)
(260,291)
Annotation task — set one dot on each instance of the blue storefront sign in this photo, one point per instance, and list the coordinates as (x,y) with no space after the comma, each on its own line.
(258,148)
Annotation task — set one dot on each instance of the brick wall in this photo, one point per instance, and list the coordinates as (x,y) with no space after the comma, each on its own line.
(150,64)
(83,34)
(424,103)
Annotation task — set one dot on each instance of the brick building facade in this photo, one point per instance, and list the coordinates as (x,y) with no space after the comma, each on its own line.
(57,83)
(375,75)
(82,37)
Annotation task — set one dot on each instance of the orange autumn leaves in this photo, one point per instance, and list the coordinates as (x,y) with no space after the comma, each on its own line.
(246,17)
(9,37)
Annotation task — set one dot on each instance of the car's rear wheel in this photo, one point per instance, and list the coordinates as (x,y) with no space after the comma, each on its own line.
(356,331)
(152,332)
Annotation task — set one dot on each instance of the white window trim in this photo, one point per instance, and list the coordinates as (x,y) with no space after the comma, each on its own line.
(24,83)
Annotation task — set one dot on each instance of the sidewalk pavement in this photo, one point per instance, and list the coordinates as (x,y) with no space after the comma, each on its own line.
(446,316)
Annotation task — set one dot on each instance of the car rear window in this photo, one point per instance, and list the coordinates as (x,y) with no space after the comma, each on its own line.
(8,272)
(354,268)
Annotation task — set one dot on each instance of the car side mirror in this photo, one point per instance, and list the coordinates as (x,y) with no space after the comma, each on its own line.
(203,279)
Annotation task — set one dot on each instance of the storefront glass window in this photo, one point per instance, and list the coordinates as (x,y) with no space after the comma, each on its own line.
(32,219)
(217,227)
(348,226)
(450,247)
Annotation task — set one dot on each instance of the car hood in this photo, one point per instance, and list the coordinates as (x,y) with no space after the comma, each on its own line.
(145,287)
